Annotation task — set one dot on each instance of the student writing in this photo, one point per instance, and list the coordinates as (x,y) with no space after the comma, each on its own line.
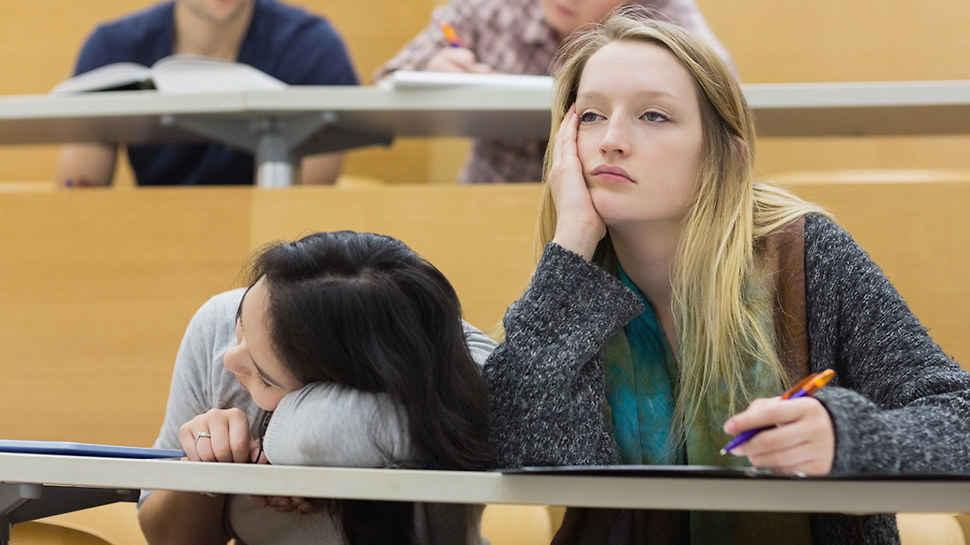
(515,37)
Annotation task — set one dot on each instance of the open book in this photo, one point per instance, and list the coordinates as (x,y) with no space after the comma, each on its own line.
(173,74)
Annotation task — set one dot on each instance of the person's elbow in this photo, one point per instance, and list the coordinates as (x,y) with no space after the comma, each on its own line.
(81,165)
(321,169)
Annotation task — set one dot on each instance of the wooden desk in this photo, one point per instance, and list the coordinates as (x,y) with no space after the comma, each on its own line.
(280,126)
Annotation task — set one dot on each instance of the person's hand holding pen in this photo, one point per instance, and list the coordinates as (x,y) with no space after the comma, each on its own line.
(455,57)
(792,433)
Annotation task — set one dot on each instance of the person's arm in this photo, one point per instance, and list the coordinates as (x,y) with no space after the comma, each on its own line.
(182,518)
(480,345)
(545,381)
(898,403)
(326,424)
(322,169)
(174,517)
(332,425)
(81,165)
(431,45)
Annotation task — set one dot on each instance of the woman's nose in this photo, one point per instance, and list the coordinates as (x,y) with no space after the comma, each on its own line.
(230,360)
(616,138)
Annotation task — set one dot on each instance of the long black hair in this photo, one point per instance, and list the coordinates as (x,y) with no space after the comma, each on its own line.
(365,311)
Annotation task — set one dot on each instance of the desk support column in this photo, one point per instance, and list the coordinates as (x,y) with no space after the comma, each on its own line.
(13,496)
(279,142)
(274,165)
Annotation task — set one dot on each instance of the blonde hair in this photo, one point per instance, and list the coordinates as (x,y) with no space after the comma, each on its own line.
(718,282)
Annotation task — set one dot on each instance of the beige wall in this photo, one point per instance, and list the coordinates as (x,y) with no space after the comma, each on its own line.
(776,41)
(837,40)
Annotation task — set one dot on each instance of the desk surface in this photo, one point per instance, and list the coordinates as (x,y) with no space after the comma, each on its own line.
(782,110)
(744,493)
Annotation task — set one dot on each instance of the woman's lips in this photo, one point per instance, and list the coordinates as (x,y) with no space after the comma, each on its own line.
(612,173)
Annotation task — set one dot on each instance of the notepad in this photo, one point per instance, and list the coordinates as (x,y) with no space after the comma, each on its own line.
(172,74)
(718,472)
(86,449)
(426,79)
(700,471)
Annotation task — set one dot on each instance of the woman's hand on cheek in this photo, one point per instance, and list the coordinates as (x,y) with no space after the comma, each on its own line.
(224,437)
(579,227)
(801,438)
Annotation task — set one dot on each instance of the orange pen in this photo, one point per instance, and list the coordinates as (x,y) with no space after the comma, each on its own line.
(450,35)
(805,387)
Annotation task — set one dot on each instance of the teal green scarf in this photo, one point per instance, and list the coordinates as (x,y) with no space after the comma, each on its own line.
(641,376)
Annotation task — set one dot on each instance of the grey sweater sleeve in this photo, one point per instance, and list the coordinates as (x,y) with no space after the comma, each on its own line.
(546,386)
(898,403)
(331,425)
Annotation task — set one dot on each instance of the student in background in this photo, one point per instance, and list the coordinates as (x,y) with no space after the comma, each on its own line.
(347,349)
(516,37)
(675,299)
(285,42)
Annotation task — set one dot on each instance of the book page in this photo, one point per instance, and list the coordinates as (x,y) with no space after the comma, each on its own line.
(425,79)
(117,76)
(194,74)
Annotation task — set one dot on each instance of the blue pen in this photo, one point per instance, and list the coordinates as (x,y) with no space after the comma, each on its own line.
(805,387)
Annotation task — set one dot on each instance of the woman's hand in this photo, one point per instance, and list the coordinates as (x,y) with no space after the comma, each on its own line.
(579,227)
(224,437)
(456,59)
(283,504)
(803,440)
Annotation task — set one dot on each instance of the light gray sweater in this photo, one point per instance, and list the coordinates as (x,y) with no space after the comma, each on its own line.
(898,403)
(320,425)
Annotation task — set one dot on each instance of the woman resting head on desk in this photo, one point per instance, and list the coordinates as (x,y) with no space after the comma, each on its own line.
(347,349)
(675,298)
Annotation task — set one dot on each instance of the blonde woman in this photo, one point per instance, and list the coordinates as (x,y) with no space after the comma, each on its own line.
(675,298)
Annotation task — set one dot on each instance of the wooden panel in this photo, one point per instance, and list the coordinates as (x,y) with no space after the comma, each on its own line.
(480,237)
(919,234)
(96,288)
(862,40)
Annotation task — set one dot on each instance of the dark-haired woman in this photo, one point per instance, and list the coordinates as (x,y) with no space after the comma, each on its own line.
(346,349)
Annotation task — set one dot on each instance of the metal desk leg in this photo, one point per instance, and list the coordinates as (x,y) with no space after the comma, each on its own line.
(280,142)
(274,165)
(13,496)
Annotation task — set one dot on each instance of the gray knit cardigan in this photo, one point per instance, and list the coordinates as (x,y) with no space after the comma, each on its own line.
(898,403)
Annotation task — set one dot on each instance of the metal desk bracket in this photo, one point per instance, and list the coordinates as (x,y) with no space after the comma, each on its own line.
(21,502)
(279,142)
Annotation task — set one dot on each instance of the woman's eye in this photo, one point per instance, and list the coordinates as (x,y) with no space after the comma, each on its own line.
(588,117)
(262,381)
(655,117)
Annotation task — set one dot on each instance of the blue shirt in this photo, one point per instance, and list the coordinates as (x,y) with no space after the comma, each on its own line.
(288,43)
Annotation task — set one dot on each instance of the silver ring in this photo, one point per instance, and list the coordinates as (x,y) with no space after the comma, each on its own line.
(201,434)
